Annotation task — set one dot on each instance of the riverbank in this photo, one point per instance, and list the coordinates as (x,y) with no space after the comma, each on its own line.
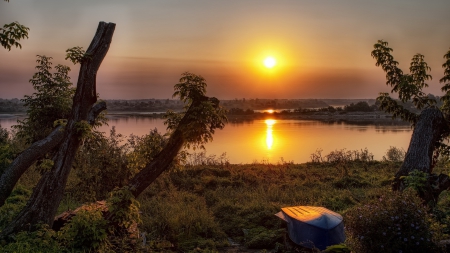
(230,208)
(376,117)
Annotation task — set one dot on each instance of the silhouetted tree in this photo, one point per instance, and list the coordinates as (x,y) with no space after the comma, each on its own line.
(191,128)
(47,195)
(431,127)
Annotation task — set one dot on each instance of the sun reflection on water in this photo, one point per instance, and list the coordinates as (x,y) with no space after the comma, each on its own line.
(269,135)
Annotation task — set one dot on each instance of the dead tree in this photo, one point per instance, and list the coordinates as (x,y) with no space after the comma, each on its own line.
(36,150)
(164,159)
(47,195)
(431,126)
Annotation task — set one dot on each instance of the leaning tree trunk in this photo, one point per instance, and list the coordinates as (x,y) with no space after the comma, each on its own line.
(164,159)
(160,163)
(47,195)
(429,129)
(36,150)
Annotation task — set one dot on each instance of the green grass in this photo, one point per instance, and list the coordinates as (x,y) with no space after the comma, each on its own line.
(207,208)
(237,203)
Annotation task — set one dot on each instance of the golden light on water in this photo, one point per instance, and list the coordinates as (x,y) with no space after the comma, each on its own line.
(269,132)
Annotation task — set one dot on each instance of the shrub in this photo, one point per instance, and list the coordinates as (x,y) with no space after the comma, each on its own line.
(43,240)
(86,231)
(13,204)
(394,154)
(123,207)
(396,222)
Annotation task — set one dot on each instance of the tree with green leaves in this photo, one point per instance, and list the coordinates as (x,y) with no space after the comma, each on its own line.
(51,101)
(12,33)
(431,126)
(194,126)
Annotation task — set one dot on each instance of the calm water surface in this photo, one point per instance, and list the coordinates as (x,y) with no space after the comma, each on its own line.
(271,140)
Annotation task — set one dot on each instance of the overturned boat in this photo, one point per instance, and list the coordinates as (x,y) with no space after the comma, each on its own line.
(312,226)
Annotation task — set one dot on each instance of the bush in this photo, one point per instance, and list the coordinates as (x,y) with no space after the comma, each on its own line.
(86,231)
(394,154)
(396,222)
(13,204)
(43,240)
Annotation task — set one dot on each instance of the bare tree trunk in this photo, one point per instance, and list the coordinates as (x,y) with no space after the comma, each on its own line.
(429,129)
(37,150)
(47,195)
(163,160)
(160,163)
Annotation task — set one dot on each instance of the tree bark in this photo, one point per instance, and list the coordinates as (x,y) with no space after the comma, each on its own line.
(37,150)
(428,131)
(47,195)
(160,163)
(163,160)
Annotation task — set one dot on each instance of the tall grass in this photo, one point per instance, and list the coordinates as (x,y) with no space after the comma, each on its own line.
(207,206)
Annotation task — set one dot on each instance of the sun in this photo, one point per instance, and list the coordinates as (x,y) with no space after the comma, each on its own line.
(270,62)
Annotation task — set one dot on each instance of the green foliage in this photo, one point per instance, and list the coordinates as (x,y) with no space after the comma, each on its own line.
(198,208)
(11,34)
(416,179)
(144,149)
(60,122)
(13,204)
(190,87)
(241,200)
(183,219)
(45,165)
(123,207)
(263,238)
(104,163)
(407,86)
(83,129)
(205,115)
(43,240)
(394,154)
(86,231)
(395,222)
(100,166)
(76,54)
(51,101)
(6,151)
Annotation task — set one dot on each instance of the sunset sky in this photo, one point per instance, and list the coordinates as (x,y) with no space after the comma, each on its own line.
(322,47)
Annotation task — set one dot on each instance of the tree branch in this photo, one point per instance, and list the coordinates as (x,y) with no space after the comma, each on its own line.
(37,150)
(43,203)
(164,159)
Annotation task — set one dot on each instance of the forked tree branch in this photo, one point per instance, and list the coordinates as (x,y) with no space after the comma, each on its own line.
(37,150)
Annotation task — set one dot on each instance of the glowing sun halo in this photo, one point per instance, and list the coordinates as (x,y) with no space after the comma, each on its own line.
(270,62)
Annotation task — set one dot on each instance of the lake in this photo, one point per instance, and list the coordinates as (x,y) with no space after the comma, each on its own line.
(272,141)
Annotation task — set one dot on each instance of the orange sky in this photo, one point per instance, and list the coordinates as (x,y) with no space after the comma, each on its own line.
(322,47)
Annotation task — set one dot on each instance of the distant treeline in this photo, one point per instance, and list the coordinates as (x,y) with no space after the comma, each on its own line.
(235,106)
(11,105)
(361,106)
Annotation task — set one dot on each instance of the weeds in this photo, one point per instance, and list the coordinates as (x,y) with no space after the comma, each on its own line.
(394,154)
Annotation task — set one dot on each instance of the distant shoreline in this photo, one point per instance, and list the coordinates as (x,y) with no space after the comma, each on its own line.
(357,117)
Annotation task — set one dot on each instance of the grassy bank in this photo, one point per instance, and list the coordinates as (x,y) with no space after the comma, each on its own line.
(204,208)
(230,208)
